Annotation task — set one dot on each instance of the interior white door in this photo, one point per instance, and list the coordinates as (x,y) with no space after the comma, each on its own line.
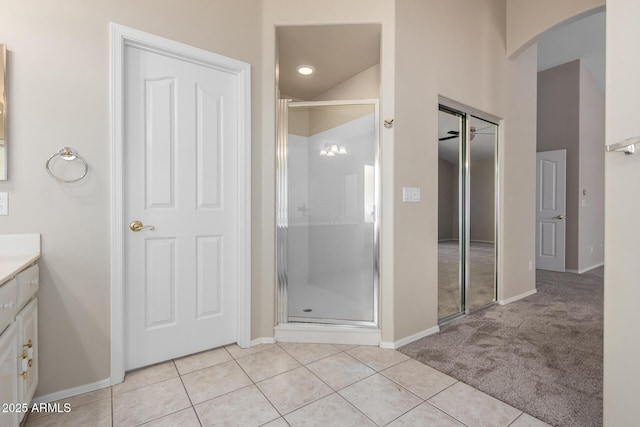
(180,179)
(551,210)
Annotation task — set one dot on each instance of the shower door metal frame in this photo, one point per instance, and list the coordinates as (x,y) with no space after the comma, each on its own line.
(465,113)
(282,215)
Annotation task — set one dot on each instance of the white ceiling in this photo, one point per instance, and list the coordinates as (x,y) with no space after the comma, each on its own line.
(337,52)
(584,39)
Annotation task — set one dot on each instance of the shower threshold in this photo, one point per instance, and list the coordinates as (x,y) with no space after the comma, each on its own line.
(327,334)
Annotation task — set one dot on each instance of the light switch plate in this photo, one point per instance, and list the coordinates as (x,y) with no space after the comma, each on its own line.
(410,194)
(4,203)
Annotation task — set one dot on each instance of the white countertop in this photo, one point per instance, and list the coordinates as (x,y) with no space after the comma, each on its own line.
(11,265)
(17,251)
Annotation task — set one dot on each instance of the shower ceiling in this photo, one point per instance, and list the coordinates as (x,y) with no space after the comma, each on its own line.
(337,52)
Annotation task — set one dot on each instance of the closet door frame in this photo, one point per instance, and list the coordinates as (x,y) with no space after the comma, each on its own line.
(464,197)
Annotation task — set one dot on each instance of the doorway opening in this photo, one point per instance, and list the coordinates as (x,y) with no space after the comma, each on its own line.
(571,118)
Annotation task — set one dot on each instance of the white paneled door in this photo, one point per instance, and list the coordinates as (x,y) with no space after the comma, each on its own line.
(551,210)
(181,184)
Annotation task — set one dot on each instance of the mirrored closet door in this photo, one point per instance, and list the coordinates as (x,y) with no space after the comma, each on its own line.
(467,211)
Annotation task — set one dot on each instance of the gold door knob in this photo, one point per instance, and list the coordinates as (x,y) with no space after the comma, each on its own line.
(24,375)
(559,217)
(136,226)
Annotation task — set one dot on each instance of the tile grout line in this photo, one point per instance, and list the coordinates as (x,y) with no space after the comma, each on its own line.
(410,391)
(174,412)
(517,418)
(260,390)
(337,393)
(306,404)
(275,375)
(313,361)
(446,413)
(362,379)
(193,407)
(451,415)
(386,367)
(206,367)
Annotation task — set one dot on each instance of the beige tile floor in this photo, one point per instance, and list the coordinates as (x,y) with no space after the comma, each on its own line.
(288,384)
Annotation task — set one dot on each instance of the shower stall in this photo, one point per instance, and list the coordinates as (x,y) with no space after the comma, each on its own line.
(327,215)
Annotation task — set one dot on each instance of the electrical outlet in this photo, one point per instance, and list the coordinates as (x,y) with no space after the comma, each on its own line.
(530,265)
(4,203)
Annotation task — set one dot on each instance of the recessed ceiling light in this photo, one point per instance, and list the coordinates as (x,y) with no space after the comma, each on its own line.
(305,70)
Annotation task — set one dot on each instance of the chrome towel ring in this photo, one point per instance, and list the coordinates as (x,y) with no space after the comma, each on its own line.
(68,154)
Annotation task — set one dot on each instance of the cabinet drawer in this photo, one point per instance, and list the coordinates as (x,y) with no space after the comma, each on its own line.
(8,303)
(28,284)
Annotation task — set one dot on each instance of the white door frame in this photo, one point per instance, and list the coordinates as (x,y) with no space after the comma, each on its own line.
(121,36)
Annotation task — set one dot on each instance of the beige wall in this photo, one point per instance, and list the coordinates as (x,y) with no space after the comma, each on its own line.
(59,94)
(526,19)
(559,128)
(518,178)
(592,133)
(364,85)
(469,66)
(622,210)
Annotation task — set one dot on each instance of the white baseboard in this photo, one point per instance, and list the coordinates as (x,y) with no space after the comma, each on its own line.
(327,334)
(411,338)
(263,340)
(584,270)
(517,297)
(63,394)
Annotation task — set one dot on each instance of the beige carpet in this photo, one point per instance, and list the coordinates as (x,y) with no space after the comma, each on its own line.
(542,354)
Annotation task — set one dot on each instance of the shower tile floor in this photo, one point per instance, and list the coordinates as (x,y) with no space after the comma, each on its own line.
(288,385)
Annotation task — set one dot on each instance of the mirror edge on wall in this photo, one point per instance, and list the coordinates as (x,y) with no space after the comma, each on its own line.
(3,113)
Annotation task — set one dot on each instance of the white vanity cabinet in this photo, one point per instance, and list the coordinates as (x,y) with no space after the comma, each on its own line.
(27,321)
(19,283)
(9,375)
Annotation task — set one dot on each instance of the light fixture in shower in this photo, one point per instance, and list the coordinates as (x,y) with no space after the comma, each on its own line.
(305,70)
(330,150)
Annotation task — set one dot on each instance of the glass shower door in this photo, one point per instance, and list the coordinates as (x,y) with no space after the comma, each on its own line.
(331,243)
